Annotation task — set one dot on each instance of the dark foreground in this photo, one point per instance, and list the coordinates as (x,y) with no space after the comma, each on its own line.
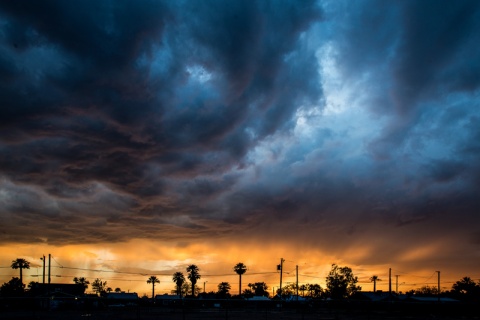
(345,311)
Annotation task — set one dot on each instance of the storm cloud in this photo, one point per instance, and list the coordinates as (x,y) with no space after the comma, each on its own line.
(327,123)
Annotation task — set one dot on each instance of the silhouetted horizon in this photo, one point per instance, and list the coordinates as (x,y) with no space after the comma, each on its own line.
(145,136)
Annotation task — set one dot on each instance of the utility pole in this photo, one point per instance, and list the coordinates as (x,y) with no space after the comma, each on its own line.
(438,285)
(390,281)
(48,286)
(49,264)
(43,259)
(396,284)
(280,266)
(297,280)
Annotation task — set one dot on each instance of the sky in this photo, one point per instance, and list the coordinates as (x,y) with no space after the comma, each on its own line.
(138,137)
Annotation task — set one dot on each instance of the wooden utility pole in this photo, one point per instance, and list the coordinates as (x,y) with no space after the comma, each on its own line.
(49,279)
(281,275)
(297,280)
(43,259)
(390,281)
(49,265)
(438,286)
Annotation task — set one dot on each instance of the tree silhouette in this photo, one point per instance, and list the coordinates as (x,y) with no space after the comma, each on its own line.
(374,279)
(179,280)
(84,282)
(302,289)
(259,289)
(341,283)
(21,264)
(248,293)
(465,285)
(426,291)
(12,288)
(153,280)
(99,286)
(240,269)
(118,290)
(466,289)
(315,290)
(31,284)
(288,290)
(193,276)
(224,289)
(187,287)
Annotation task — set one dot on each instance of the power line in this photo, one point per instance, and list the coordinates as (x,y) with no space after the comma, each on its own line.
(57,262)
(412,275)
(109,271)
(304,275)
(157,274)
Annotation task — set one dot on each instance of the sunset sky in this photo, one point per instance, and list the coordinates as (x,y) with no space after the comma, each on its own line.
(138,137)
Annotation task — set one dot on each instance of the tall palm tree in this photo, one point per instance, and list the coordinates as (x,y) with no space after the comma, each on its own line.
(179,280)
(153,280)
(21,264)
(374,279)
(193,276)
(240,269)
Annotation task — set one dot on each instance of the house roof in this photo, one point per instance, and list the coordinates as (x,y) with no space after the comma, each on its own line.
(432,299)
(167,297)
(122,295)
(258,298)
(375,296)
(65,288)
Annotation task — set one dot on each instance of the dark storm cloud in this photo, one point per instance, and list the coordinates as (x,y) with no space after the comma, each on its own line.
(436,38)
(424,172)
(179,120)
(431,56)
(110,108)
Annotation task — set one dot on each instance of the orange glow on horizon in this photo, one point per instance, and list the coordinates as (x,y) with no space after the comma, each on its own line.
(128,265)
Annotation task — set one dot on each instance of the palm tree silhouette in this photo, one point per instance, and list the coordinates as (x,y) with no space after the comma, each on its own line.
(240,269)
(153,280)
(21,264)
(179,279)
(374,279)
(193,276)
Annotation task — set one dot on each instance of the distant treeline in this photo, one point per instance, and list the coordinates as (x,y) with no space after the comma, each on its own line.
(340,284)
